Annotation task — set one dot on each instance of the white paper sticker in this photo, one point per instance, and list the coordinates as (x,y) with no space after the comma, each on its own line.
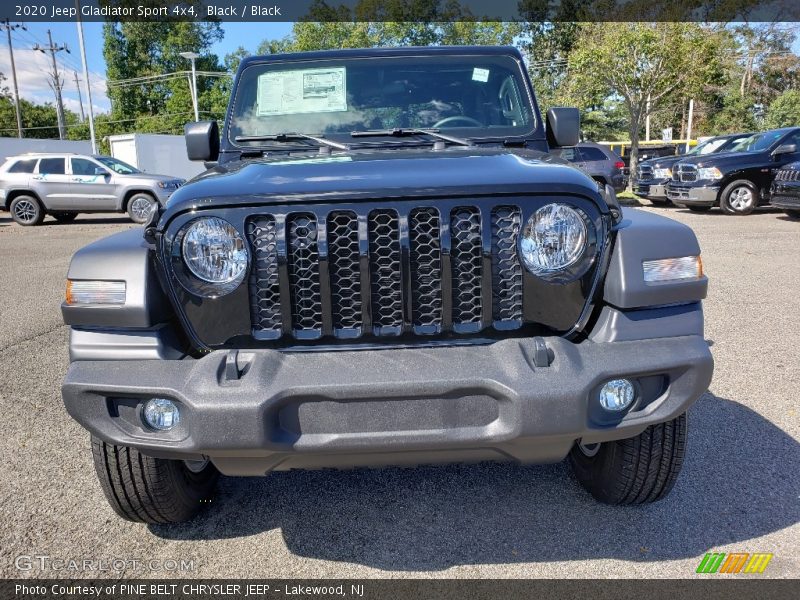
(302,91)
(481,75)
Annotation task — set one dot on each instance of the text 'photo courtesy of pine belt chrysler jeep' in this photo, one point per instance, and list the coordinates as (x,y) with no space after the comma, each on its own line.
(737,181)
(384,265)
(654,174)
(64,185)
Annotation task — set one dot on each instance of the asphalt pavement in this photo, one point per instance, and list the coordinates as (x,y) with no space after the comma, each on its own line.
(739,490)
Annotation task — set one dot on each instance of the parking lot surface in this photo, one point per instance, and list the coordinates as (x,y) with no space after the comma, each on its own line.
(739,490)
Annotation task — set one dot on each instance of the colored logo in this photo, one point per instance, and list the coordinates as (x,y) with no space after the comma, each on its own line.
(735,562)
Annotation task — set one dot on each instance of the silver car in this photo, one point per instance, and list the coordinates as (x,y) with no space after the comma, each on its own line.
(63,185)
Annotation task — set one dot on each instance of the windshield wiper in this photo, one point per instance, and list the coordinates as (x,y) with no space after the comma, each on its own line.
(290,137)
(401,132)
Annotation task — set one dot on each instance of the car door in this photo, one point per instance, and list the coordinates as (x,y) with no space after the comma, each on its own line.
(51,183)
(92,185)
(595,162)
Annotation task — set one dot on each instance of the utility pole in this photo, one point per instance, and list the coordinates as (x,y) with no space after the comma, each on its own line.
(689,128)
(647,121)
(55,80)
(8,27)
(192,56)
(80,98)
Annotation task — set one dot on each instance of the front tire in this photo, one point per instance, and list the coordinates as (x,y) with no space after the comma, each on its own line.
(140,206)
(739,198)
(792,214)
(636,470)
(26,210)
(144,489)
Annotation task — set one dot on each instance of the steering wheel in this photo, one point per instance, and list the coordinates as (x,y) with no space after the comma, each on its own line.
(455,119)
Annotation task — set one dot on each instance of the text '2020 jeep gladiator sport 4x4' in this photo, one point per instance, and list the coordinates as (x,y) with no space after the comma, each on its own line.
(385,267)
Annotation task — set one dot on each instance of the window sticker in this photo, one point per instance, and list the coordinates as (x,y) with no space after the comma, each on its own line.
(481,75)
(302,91)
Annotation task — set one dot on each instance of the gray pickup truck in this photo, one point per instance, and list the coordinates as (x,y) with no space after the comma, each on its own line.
(64,185)
(385,265)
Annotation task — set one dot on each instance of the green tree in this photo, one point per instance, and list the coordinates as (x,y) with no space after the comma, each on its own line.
(642,65)
(784,110)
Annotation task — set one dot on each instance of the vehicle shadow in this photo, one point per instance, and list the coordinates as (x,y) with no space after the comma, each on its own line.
(83,220)
(740,481)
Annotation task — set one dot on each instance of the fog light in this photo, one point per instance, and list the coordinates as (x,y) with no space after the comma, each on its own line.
(617,394)
(161,414)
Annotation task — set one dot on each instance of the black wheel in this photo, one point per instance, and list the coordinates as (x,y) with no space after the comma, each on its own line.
(65,217)
(793,214)
(699,209)
(144,489)
(140,206)
(739,198)
(26,210)
(636,470)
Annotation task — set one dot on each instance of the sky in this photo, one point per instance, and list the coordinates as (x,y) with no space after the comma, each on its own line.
(33,66)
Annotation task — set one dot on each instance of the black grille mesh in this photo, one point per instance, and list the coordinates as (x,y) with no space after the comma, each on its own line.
(343,258)
(385,273)
(426,269)
(384,264)
(465,228)
(265,294)
(304,272)
(506,268)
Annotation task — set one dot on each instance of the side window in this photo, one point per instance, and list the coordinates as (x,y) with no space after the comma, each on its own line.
(570,154)
(52,166)
(25,165)
(81,166)
(589,153)
(793,139)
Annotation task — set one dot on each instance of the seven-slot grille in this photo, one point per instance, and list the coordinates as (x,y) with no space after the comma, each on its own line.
(384,272)
(684,173)
(787,175)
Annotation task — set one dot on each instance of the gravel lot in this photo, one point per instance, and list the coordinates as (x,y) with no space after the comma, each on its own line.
(739,490)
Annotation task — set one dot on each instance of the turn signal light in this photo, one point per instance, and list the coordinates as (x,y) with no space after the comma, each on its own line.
(86,292)
(672,269)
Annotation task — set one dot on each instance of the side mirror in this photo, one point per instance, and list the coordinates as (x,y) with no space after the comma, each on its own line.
(563,127)
(202,140)
(785,149)
(100,171)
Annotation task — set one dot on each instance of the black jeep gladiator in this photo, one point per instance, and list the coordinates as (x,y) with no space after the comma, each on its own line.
(384,266)
(738,181)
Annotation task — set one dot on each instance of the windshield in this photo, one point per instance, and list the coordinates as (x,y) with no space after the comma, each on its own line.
(117,165)
(468,96)
(709,146)
(758,142)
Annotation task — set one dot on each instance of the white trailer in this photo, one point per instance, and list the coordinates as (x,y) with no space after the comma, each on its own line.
(155,153)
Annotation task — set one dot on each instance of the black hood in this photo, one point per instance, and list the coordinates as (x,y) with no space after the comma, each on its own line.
(385,173)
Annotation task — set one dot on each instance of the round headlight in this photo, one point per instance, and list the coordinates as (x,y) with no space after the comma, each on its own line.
(554,238)
(214,251)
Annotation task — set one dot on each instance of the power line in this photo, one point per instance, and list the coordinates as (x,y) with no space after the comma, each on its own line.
(55,79)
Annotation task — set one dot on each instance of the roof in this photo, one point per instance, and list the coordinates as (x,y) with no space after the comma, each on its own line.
(386,52)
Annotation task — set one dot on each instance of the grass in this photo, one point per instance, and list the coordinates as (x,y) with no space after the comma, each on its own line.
(627,198)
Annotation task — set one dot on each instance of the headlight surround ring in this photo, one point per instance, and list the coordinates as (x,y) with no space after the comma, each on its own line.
(558,224)
(210,257)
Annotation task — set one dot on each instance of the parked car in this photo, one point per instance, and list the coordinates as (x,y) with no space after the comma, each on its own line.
(598,161)
(737,181)
(391,269)
(654,174)
(785,192)
(64,185)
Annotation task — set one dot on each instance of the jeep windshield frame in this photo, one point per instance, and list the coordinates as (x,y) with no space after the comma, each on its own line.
(485,97)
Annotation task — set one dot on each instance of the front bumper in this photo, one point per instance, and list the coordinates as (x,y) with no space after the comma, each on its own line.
(276,411)
(696,195)
(650,189)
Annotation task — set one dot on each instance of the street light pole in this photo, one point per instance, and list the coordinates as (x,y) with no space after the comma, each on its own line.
(85,66)
(192,56)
